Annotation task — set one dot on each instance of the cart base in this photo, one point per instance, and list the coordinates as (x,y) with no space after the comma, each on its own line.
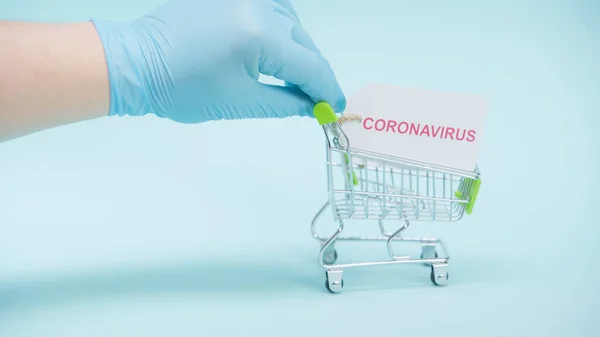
(433,254)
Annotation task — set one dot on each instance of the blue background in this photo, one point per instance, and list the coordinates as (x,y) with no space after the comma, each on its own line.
(143,227)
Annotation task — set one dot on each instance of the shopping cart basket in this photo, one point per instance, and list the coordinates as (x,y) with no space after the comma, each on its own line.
(364,185)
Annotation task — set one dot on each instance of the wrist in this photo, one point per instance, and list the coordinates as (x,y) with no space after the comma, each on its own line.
(127,68)
(50,75)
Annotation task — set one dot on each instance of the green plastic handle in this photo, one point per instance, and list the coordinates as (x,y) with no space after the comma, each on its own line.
(324,113)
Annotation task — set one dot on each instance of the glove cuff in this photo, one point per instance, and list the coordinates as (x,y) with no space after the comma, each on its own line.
(125,61)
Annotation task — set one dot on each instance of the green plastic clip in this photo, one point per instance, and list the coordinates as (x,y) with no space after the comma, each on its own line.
(354,178)
(324,113)
(473,192)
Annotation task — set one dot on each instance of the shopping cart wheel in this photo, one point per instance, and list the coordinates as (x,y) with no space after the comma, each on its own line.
(330,256)
(439,274)
(333,281)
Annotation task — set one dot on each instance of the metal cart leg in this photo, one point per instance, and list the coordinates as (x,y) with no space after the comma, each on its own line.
(330,255)
(393,237)
(428,251)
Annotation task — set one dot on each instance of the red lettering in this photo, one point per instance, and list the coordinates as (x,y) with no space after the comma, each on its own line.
(391,125)
(471,135)
(405,129)
(414,129)
(419,129)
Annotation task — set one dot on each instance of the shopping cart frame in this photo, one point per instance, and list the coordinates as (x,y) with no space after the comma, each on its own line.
(388,202)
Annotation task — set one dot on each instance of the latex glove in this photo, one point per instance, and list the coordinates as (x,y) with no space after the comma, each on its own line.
(198,60)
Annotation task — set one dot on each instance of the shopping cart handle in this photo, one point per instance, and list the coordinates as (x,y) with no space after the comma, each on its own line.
(324,113)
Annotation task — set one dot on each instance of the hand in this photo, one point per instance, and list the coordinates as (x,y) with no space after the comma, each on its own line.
(198,60)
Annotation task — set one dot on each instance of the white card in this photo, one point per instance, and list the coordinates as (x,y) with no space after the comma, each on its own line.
(428,126)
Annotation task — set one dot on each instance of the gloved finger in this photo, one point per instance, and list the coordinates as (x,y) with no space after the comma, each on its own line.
(290,62)
(289,10)
(290,85)
(285,8)
(279,102)
(300,36)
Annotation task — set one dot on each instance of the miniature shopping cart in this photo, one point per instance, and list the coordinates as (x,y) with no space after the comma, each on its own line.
(364,185)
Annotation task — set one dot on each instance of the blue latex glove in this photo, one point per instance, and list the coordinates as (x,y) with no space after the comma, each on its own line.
(198,60)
